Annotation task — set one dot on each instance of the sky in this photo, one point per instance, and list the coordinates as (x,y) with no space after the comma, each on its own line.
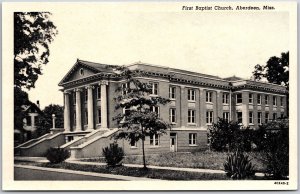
(215,43)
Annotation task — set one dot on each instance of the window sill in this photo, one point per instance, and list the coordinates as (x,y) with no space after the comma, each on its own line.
(251,103)
(193,145)
(172,99)
(133,147)
(153,95)
(153,147)
(209,124)
(209,102)
(193,101)
(226,104)
(192,124)
(251,124)
(173,123)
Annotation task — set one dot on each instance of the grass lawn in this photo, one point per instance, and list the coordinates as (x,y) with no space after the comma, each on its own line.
(204,159)
(135,172)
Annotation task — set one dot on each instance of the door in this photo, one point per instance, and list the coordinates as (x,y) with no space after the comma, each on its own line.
(173,142)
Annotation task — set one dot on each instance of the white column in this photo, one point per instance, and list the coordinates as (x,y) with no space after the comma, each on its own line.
(230,105)
(53,121)
(103,104)
(67,122)
(90,108)
(78,110)
(32,121)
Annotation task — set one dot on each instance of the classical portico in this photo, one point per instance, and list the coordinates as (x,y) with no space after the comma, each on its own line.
(91,109)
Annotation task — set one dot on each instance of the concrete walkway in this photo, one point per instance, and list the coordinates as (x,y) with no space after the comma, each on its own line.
(31,159)
(74,161)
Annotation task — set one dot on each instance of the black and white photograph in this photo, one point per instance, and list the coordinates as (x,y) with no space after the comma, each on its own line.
(149,96)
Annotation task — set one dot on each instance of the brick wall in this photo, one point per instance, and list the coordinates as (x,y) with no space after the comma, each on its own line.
(164,146)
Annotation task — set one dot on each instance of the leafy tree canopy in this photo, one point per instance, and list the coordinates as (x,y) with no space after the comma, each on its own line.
(275,71)
(33,32)
(21,98)
(45,122)
(138,121)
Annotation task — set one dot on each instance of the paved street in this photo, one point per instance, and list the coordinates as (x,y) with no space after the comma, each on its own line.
(21,173)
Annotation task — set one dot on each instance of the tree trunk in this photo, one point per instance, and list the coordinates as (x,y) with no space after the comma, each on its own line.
(144,158)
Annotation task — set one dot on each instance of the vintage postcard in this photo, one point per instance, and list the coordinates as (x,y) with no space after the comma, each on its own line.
(149,96)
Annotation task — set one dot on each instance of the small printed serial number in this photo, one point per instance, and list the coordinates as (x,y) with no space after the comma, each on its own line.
(281,183)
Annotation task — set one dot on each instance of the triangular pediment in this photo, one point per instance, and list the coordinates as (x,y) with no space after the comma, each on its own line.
(78,71)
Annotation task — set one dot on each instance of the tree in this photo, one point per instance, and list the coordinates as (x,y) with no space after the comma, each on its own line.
(21,98)
(275,71)
(33,32)
(138,121)
(45,121)
(225,135)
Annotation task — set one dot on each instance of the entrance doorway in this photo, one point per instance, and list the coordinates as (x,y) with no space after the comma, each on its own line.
(173,142)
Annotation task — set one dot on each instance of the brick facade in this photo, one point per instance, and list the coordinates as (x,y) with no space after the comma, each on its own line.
(205,107)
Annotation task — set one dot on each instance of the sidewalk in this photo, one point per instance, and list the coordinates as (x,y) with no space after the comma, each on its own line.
(31,159)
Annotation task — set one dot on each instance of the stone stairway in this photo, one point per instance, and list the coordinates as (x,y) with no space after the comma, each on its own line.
(38,147)
(92,147)
(80,140)
(29,143)
(89,145)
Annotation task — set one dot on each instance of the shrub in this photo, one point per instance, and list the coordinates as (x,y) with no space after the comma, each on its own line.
(229,136)
(259,138)
(242,139)
(220,135)
(272,140)
(238,166)
(57,155)
(277,154)
(113,155)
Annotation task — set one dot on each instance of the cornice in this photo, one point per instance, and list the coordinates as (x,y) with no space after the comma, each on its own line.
(171,77)
(258,88)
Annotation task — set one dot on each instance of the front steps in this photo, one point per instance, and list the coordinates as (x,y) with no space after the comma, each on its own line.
(84,144)
(93,146)
(38,147)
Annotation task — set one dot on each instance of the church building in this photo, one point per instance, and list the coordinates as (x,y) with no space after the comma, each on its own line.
(197,101)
